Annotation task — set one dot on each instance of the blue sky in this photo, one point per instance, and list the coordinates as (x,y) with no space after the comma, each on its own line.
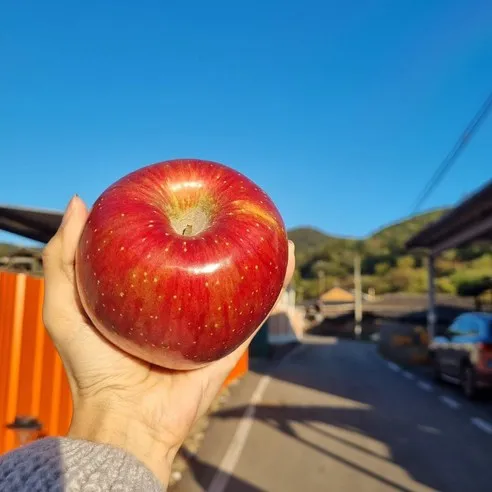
(340,110)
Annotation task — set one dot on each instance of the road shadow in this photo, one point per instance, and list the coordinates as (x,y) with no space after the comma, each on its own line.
(283,418)
(373,429)
(401,431)
(204,474)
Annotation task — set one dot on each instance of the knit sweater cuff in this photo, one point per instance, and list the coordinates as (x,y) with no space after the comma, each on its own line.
(63,464)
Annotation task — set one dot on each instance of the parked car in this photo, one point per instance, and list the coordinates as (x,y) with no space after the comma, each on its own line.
(463,355)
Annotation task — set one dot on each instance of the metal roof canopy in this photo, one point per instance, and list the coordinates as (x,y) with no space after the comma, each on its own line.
(469,221)
(36,224)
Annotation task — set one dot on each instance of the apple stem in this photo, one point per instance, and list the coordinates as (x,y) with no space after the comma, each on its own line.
(188,230)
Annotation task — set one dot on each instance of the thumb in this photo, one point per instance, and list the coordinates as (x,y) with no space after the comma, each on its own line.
(291,264)
(59,253)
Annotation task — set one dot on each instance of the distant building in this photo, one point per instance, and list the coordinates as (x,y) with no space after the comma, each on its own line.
(337,295)
(23,260)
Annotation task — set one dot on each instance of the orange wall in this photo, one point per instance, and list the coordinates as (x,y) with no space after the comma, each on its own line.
(32,379)
(240,370)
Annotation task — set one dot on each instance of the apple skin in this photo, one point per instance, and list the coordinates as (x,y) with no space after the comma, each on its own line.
(180,261)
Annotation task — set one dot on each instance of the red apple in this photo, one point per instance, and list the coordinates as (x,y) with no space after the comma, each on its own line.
(181,261)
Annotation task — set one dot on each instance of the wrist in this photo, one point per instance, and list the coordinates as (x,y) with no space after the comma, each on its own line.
(98,422)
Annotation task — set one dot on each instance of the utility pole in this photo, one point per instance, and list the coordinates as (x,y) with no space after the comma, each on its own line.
(321,281)
(358,296)
(431,312)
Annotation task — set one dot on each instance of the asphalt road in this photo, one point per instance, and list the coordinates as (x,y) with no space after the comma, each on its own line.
(335,416)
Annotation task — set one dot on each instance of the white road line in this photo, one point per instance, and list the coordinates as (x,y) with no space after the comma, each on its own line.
(408,375)
(449,402)
(425,386)
(394,367)
(233,453)
(482,424)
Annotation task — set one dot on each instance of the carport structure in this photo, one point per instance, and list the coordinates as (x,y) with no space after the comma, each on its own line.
(36,224)
(468,222)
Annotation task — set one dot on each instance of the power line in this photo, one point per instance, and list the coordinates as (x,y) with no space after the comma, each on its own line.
(450,159)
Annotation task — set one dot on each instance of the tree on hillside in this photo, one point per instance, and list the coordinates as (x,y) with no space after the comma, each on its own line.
(406,262)
(474,251)
(445,285)
(328,268)
(473,283)
(382,269)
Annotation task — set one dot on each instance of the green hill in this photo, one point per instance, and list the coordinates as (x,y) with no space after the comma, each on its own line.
(386,265)
(400,232)
(397,233)
(306,238)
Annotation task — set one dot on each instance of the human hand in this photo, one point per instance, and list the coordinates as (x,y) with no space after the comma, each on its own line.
(118,399)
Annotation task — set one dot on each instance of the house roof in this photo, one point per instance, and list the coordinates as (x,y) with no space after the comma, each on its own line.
(36,224)
(337,294)
(471,220)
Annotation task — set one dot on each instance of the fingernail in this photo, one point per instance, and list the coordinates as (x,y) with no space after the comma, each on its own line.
(292,244)
(68,211)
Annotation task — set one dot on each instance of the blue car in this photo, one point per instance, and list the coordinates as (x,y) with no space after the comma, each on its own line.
(463,355)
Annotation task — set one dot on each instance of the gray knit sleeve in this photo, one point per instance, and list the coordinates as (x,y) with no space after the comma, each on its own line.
(62,464)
